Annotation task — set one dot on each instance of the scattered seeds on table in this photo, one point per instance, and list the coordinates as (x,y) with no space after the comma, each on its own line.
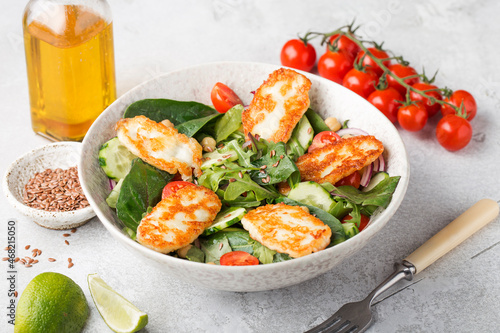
(66,241)
(52,259)
(70,265)
(66,235)
(73,230)
(27,247)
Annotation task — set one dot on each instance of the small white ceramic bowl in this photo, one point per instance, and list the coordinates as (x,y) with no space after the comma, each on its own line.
(195,84)
(52,156)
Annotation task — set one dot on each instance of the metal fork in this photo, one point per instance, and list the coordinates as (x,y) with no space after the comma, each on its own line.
(357,316)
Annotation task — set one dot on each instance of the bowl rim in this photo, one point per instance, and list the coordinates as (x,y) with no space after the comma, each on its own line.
(368,232)
(27,210)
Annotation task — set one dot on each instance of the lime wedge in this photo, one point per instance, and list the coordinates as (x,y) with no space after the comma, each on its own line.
(118,313)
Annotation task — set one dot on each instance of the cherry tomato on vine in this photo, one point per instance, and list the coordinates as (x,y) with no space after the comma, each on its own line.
(346,45)
(335,65)
(453,132)
(238,258)
(362,82)
(369,63)
(432,108)
(173,187)
(456,99)
(322,139)
(353,179)
(401,71)
(364,221)
(223,97)
(387,101)
(299,55)
(412,117)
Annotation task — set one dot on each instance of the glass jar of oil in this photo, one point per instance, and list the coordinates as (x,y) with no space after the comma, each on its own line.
(70,65)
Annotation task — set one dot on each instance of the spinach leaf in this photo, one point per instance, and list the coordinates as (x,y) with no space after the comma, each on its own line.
(246,202)
(317,123)
(243,156)
(212,248)
(192,127)
(177,112)
(195,254)
(379,196)
(341,209)
(279,257)
(338,234)
(229,123)
(245,184)
(141,189)
(278,166)
(264,254)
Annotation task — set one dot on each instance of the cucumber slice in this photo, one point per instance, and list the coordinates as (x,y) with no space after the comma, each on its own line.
(218,158)
(115,159)
(313,194)
(225,219)
(112,198)
(377,178)
(302,137)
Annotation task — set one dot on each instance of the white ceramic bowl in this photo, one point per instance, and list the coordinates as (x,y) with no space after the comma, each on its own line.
(52,156)
(195,84)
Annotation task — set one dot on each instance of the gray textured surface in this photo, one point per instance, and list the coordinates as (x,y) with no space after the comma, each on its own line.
(457,294)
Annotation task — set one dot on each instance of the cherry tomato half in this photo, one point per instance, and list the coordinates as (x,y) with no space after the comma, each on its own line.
(223,97)
(456,99)
(353,179)
(387,101)
(364,221)
(368,60)
(238,258)
(335,65)
(298,55)
(346,45)
(432,108)
(322,139)
(413,117)
(401,72)
(173,187)
(453,132)
(361,82)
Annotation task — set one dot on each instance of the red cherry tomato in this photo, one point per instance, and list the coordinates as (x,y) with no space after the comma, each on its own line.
(322,139)
(456,99)
(346,45)
(387,102)
(432,108)
(453,132)
(298,55)
(364,221)
(361,82)
(335,65)
(368,60)
(173,187)
(401,72)
(238,258)
(223,97)
(412,117)
(353,179)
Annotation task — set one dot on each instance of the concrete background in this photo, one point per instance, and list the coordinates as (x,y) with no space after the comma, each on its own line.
(459,293)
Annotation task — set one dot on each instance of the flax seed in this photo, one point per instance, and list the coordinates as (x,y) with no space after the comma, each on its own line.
(232,180)
(23,261)
(35,262)
(223,167)
(27,247)
(273,152)
(7,248)
(15,294)
(34,254)
(17,259)
(66,241)
(276,164)
(73,230)
(70,260)
(263,167)
(268,179)
(70,265)
(309,130)
(240,174)
(5,258)
(52,259)
(282,156)
(66,235)
(27,265)
(39,252)
(220,246)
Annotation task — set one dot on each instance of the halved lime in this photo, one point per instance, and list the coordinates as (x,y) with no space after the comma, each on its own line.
(118,313)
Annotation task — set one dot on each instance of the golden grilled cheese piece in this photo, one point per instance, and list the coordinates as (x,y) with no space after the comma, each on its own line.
(277,106)
(161,146)
(339,159)
(179,219)
(287,229)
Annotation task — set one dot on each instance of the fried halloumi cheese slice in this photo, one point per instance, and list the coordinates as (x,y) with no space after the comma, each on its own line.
(339,159)
(277,106)
(179,219)
(161,146)
(287,229)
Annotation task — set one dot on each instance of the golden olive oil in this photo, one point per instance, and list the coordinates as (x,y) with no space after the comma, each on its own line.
(71,73)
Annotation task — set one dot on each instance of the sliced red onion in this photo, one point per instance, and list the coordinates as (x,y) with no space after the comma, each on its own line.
(376,165)
(351,131)
(112,184)
(367,175)
(381,163)
(247,144)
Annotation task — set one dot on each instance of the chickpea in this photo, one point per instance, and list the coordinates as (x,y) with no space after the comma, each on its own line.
(167,123)
(333,124)
(208,144)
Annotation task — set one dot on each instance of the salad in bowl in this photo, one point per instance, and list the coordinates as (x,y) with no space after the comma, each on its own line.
(243,176)
(234,185)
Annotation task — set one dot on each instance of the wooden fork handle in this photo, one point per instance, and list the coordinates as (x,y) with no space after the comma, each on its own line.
(473,219)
